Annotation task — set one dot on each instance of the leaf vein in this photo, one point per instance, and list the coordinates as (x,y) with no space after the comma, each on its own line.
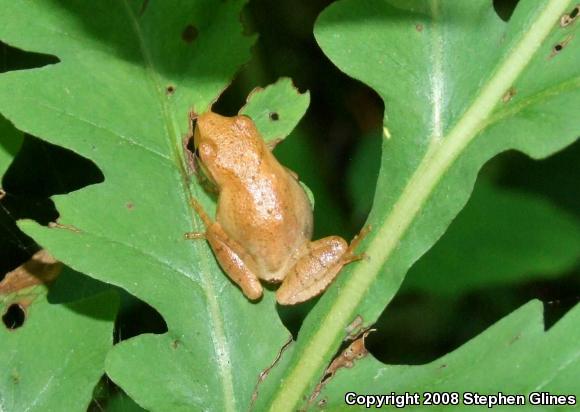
(110,132)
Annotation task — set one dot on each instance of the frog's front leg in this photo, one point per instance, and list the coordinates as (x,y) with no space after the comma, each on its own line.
(232,257)
(314,271)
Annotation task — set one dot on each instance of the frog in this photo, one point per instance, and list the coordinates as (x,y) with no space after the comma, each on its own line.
(262,231)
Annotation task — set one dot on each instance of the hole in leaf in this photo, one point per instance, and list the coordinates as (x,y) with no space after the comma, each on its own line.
(137,317)
(15,247)
(12,58)
(293,316)
(568,19)
(14,316)
(38,171)
(191,147)
(505,8)
(41,169)
(560,46)
(274,116)
(189,34)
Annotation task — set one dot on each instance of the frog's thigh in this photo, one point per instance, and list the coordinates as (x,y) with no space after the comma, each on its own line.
(235,261)
(314,271)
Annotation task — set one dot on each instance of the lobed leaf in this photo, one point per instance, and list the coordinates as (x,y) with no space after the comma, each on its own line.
(269,109)
(459,85)
(129,73)
(545,361)
(51,356)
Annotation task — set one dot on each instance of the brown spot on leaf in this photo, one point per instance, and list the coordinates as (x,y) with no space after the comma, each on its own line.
(274,116)
(568,19)
(42,268)
(514,339)
(170,89)
(509,94)
(347,358)
(56,225)
(189,34)
(129,205)
(557,49)
(419,27)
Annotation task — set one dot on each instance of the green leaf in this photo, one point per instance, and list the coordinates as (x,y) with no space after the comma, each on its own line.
(364,169)
(129,73)
(269,109)
(55,358)
(544,361)
(459,85)
(499,238)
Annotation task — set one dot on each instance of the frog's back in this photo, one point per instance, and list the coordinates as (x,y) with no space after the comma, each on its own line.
(270,215)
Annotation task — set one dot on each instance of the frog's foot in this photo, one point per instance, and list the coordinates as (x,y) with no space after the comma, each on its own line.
(315,270)
(350,256)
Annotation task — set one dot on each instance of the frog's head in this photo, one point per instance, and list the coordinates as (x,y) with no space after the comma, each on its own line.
(225,147)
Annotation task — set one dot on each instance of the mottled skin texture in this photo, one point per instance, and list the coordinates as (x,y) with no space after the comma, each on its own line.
(264,221)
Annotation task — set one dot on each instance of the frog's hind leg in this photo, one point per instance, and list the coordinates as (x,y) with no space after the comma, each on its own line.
(232,257)
(316,269)
(235,261)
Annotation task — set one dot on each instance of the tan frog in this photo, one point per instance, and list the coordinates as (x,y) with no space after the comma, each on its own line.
(263,225)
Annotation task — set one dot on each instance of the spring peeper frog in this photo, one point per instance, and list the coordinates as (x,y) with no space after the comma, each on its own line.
(263,224)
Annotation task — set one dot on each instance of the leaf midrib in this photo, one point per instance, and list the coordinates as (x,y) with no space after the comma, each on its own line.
(219,340)
(436,162)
